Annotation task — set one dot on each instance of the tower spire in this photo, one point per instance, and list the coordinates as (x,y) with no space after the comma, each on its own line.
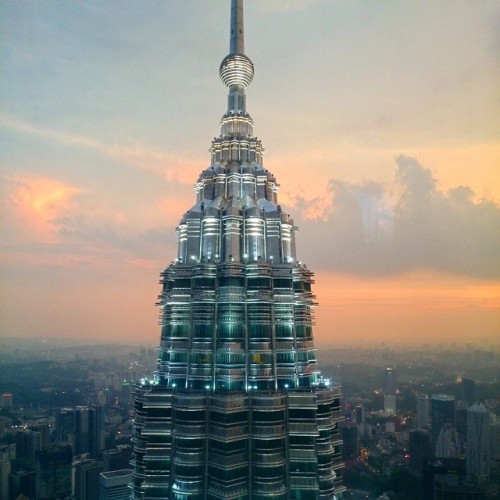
(237,38)
(236,70)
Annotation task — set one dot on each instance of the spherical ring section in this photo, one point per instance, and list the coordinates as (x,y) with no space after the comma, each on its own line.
(236,69)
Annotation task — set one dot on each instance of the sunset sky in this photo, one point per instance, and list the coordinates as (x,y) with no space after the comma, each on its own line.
(379,119)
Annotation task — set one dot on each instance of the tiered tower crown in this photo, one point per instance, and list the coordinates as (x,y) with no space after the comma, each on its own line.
(236,217)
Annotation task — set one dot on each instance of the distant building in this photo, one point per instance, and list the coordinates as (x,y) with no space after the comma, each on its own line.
(453,487)
(5,469)
(422,411)
(420,450)
(87,479)
(96,431)
(114,485)
(390,391)
(22,482)
(8,451)
(468,387)
(390,385)
(82,427)
(478,450)
(390,404)
(447,444)
(27,444)
(442,412)
(461,420)
(118,458)
(439,471)
(360,414)
(44,431)
(495,444)
(126,394)
(349,435)
(360,420)
(53,472)
(6,400)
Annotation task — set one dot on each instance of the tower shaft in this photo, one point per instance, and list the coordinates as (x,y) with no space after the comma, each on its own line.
(237,38)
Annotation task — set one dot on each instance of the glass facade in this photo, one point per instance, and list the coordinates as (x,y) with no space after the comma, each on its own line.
(238,408)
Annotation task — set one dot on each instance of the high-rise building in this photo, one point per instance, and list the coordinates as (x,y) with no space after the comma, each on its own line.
(27,444)
(422,411)
(44,431)
(115,485)
(468,387)
(360,420)
(87,479)
(495,446)
(360,414)
(8,451)
(478,448)
(442,412)
(5,469)
(390,404)
(238,407)
(420,449)
(350,443)
(447,444)
(53,472)
(117,458)
(22,482)
(7,454)
(6,400)
(96,431)
(390,384)
(82,427)
(461,421)
(390,391)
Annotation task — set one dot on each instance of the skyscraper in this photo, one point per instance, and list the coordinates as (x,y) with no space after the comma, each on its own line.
(390,381)
(478,448)
(422,411)
(53,472)
(390,391)
(82,427)
(238,408)
(86,486)
(468,387)
(420,449)
(114,485)
(442,412)
(5,469)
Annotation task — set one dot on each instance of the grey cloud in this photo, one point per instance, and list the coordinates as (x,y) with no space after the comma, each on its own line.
(147,243)
(362,233)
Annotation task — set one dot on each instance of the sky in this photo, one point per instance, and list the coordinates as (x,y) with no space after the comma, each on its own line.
(379,120)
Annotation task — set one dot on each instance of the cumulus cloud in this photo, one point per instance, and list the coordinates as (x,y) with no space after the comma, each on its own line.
(49,222)
(366,231)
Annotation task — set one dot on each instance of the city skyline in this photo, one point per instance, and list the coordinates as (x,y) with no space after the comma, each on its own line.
(368,120)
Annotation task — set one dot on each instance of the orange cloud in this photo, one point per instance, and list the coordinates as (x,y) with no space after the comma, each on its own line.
(173,207)
(35,202)
(474,165)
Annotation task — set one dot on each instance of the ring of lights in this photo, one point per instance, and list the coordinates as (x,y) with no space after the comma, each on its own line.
(236,70)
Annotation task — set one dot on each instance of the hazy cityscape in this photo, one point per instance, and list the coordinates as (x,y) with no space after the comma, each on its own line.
(390,403)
